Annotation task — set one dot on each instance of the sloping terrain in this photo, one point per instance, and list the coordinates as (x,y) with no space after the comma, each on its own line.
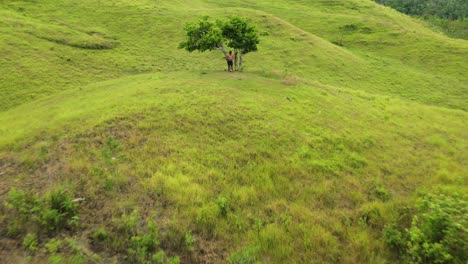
(144,36)
(150,154)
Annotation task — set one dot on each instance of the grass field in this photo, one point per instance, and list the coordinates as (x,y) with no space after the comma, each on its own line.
(117,147)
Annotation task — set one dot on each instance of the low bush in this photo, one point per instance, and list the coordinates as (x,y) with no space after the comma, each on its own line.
(30,242)
(100,235)
(60,212)
(244,256)
(438,232)
(143,245)
(135,237)
(50,214)
(223,206)
(53,246)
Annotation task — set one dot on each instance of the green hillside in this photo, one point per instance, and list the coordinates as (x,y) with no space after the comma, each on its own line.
(117,147)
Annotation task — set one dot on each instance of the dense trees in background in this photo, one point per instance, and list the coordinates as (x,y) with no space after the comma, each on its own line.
(450,16)
(450,9)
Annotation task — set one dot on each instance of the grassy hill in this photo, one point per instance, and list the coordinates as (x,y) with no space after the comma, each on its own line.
(142,36)
(115,146)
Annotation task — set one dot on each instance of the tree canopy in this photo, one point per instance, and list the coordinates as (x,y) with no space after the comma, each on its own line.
(240,35)
(235,32)
(202,35)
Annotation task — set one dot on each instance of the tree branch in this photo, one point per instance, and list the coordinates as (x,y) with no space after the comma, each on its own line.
(221,48)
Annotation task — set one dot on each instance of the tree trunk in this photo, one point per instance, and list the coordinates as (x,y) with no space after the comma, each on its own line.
(241,61)
(236,59)
(222,49)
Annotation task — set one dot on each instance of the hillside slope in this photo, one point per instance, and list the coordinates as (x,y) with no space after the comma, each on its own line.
(116,147)
(178,144)
(40,41)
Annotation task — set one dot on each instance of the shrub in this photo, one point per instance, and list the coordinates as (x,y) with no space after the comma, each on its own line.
(99,235)
(30,242)
(28,211)
(162,258)
(53,245)
(143,245)
(222,206)
(127,223)
(438,232)
(144,248)
(244,256)
(189,241)
(60,211)
(55,259)
(371,214)
(22,204)
(382,193)
(137,237)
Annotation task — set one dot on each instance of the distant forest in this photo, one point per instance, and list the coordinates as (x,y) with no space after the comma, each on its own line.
(451,9)
(450,16)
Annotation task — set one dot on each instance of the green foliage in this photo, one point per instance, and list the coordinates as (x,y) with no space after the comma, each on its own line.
(438,232)
(53,245)
(127,223)
(108,183)
(110,148)
(73,245)
(55,212)
(449,16)
(205,35)
(135,237)
(236,32)
(55,259)
(245,256)
(202,35)
(223,206)
(345,30)
(240,34)
(142,246)
(100,235)
(77,258)
(453,28)
(349,28)
(23,204)
(30,242)
(161,258)
(371,215)
(453,9)
(381,192)
(395,238)
(62,212)
(189,241)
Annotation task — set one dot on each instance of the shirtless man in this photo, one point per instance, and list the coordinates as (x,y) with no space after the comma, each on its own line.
(229,59)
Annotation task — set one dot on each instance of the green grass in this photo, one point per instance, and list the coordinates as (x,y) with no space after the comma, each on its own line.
(306,157)
(148,34)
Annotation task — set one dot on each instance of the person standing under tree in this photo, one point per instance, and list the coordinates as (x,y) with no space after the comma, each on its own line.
(229,59)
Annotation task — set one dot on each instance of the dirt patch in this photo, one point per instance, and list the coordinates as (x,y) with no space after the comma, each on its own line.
(210,252)
(291,80)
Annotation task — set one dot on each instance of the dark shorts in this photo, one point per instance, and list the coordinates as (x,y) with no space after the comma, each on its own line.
(229,63)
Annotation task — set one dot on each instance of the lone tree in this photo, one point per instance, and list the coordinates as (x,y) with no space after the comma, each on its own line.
(236,33)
